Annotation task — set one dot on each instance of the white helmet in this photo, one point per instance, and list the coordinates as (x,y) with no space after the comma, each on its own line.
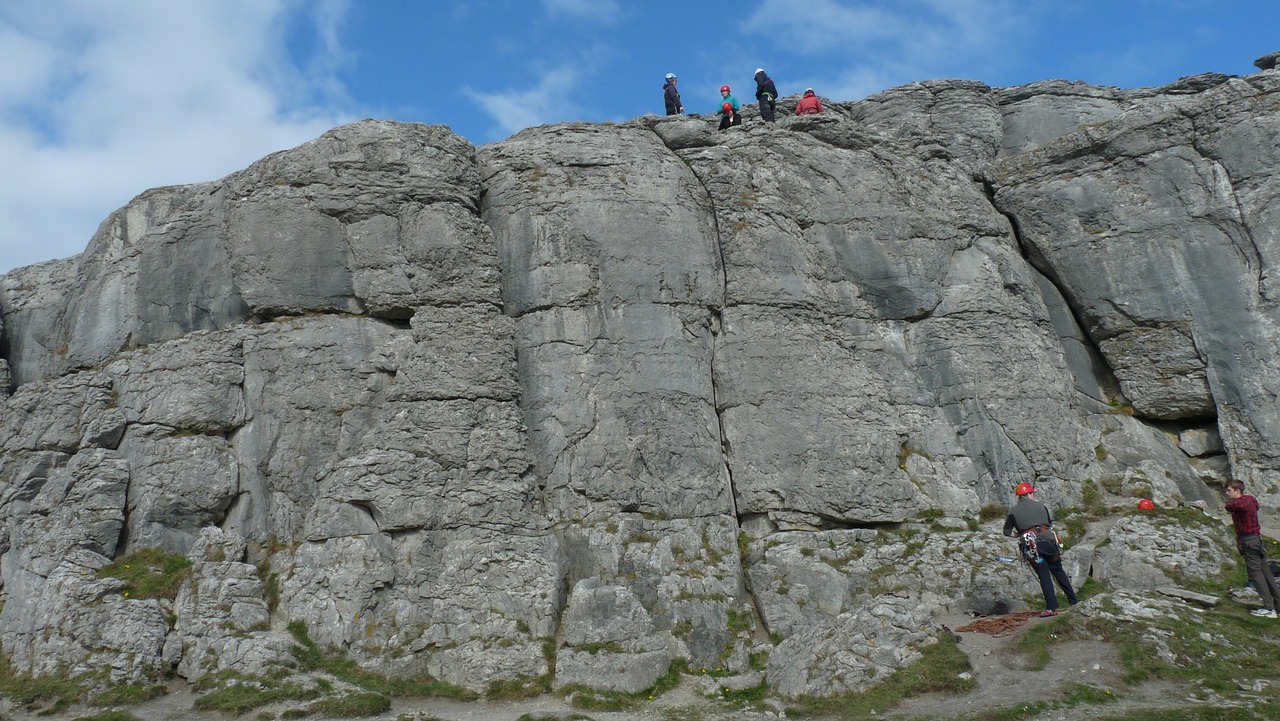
(759,70)
(671,76)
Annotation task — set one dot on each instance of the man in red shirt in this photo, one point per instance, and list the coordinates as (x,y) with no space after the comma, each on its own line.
(1244,516)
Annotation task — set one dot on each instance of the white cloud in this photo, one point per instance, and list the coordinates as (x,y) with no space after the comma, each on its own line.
(819,25)
(869,45)
(100,101)
(906,32)
(604,11)
(547,102)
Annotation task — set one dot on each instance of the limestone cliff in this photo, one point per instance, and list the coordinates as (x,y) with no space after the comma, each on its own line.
(599,397)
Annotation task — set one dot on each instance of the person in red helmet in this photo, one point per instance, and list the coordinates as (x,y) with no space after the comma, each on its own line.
(727,97)
(1031,523)
(809,104)
(1244,517)
(728,116)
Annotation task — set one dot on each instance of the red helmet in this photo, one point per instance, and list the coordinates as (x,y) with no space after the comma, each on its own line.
(1146,504)
(726,108)
(1024,488)
(724,88)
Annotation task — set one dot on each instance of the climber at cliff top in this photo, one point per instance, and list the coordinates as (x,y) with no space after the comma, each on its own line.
(725,97)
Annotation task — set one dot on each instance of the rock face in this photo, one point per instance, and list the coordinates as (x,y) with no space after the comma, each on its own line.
(598,398)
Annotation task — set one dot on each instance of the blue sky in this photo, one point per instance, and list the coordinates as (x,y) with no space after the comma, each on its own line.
(103,99)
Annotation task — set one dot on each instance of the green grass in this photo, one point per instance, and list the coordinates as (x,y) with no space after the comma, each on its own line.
(238,696)
(938,670)
(149,573)
(128,694)
(312,658)
(1072,695)
(235,695)
(112,715)
(992,511)
(50,694)
(594,700)
(354,705)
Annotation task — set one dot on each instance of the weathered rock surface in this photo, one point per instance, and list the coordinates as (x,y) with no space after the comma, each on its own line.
(597,399)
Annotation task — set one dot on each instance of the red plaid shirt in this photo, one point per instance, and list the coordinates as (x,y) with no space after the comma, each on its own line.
(1244,515)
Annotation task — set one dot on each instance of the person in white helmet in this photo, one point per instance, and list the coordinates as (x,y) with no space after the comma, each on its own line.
(671,97)
(766,94)
(809,104)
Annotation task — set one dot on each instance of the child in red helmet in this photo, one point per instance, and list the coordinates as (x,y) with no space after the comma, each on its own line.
(1030,517)
(729,116)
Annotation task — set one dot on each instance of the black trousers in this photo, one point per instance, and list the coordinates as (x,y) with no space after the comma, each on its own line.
(1048,571)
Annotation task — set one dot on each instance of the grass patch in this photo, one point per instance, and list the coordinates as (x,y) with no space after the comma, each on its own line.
(239,696)
(938,670)
(149,573)
(50,694)
(353,705)
(991,512)
(312,658)
(128,694)
(112,715)
(592,700)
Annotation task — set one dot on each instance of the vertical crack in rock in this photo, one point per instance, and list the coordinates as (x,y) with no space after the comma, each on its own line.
(1042,268)
(748,590)
(1251,254)
(715,320)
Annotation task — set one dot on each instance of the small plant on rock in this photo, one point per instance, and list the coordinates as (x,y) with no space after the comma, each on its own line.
(149,573)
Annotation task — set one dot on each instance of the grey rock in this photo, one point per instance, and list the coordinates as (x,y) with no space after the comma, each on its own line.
(1268,61)
(223,617)
(852,651)
(639,392)
(610,671)
(610,641)
(165,515)
(1151,552)
(1197,442)
(72,622)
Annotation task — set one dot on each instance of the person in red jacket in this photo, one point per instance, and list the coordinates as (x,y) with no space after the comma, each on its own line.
(1244,516)
(809,104)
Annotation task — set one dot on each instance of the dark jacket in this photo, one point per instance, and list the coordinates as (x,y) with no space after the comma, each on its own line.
(671,98)
(766,91)
(1027,514)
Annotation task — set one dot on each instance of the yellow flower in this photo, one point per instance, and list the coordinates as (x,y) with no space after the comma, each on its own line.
(126,594)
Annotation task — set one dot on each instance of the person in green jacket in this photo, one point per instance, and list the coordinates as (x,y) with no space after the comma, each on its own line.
(726,97)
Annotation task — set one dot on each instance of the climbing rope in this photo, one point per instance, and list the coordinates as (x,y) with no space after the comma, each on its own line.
(1002,626)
